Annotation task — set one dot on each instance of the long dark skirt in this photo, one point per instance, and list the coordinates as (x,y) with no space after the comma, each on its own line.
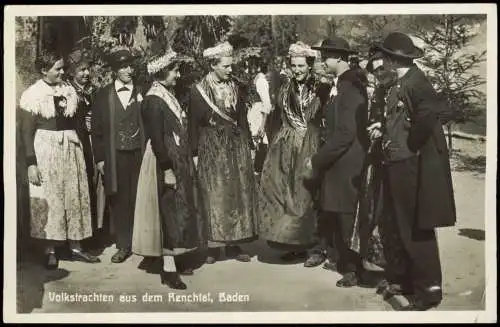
(288,216)
(167,220)
(227,183)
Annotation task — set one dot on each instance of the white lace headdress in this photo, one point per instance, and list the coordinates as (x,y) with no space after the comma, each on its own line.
(222,50)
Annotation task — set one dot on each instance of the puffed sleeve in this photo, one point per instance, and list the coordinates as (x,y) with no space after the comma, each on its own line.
(262,86)
(154,123)
(28,128)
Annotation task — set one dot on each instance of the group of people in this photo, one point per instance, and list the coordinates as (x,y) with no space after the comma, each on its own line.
(179,180)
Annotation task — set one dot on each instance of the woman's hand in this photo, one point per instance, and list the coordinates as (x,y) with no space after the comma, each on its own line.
(261,132)
(34,175)
(309,164)
(100,167)
(170,179)
(308,173)
(374,131)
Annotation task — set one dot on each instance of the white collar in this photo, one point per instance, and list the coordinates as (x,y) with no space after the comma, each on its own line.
(333,90)
(402,71)
(119,84)
(38,99)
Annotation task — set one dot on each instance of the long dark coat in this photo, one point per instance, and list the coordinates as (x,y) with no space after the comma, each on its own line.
(435,197)
(340,160)
(103,131)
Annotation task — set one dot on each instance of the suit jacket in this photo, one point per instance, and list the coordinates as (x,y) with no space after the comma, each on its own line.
(104,121)
(435,198)
(339,162)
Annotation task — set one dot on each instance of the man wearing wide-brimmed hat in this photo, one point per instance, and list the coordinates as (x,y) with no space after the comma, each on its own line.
(418,191)
(339,162)
(118,140)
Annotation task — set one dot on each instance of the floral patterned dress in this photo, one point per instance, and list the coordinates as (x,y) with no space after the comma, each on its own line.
(60,207)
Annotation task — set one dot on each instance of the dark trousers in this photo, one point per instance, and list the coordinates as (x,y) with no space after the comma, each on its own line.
(122,203)
(412,254)
(335,229)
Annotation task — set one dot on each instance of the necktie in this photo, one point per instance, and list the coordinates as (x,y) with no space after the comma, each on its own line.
(123,88)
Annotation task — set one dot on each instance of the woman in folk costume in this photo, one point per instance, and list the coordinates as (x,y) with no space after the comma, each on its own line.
(220,138)
(79,62)
(166,222)
(60,205)
(288,216)
(259,101)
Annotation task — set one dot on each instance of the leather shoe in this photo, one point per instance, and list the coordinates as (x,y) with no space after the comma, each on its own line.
(210,260)
(395,289)
(294,255)
(335,266)
(243,257)
(150,265)
(381,288)
(314,260)
(237,253)
(330,266)
(121,256)
(172,280)
(84,256)
(348,280)
(187,272)
(51,261)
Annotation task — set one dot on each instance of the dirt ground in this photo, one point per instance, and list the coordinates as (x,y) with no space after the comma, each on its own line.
(266,283)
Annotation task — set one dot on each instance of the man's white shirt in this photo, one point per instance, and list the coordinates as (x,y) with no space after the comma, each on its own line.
(333,90)
(124,96)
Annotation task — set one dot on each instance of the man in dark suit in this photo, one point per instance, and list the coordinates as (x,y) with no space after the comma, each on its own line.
(339,162)
(118,139)
(418,191)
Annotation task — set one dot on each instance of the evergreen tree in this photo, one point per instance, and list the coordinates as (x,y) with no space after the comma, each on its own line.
(450,69)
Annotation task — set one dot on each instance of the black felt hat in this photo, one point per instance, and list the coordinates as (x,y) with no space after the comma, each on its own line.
(400,45)
(121,58)
(335,44)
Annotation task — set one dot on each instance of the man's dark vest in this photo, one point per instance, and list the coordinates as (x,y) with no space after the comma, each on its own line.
(128,136)
(397,128)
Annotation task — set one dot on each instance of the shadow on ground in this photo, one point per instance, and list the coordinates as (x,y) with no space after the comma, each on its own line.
(268,255)
(475,234)
(31,278)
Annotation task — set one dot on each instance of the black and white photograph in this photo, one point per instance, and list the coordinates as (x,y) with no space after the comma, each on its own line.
(250,163)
